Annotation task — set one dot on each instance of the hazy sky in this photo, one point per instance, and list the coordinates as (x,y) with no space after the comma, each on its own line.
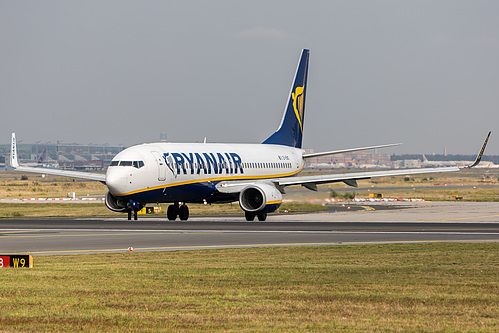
(425,73)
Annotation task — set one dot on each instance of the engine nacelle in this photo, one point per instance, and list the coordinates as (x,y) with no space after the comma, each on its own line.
(260,198)
(116,204)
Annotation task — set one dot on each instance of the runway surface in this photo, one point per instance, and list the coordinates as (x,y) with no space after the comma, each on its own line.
(416,223)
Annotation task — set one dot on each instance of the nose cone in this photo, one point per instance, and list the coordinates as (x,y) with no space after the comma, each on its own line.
(116,180)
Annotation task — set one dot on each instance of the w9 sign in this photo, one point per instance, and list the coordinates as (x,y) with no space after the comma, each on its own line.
(16,261)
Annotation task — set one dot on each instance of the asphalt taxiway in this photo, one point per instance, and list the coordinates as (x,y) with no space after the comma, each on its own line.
(415,223)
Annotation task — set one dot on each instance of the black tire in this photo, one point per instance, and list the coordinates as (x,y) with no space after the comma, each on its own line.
(172,213)
(183,213)
(250,216)
(262,216)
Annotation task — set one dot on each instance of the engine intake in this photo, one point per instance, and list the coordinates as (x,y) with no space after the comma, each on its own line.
(116,204)
(260,198)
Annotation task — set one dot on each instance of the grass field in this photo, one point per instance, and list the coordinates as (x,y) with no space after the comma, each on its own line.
(71,209)
(424,287)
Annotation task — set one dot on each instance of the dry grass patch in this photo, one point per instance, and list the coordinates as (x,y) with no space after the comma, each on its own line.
(12,186)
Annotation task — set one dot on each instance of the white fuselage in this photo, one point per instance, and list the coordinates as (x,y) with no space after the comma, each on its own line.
(188,172)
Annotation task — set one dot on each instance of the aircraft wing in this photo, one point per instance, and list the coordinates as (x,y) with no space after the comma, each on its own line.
(351,178)
(56,172)
(311,182)
(101,177)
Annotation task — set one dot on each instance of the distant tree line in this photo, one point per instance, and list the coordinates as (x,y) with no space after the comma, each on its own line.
(441,157)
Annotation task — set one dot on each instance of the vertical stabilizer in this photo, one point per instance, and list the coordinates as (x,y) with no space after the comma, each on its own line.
(290,130)
(42,156)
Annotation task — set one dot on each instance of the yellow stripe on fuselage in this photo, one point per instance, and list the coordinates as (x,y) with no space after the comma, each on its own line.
(193,181)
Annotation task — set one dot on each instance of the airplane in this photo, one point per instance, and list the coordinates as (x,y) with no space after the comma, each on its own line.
(42,156)
(429,164)
(255,175)
(39,161)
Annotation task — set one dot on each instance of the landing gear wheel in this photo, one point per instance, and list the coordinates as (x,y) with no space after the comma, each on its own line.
(250,216)
(262,216)
(183,213)
(132,212)
(172,212)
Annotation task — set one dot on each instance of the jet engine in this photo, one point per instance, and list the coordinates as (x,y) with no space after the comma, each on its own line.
(116,204)
(260,198)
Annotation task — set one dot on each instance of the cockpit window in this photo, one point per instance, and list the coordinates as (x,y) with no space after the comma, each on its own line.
(138,164)
(135,164)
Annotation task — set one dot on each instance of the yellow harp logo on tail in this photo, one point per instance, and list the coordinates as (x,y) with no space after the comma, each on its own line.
(297,96)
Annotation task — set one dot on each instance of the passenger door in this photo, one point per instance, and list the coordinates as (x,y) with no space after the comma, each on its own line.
(161,166)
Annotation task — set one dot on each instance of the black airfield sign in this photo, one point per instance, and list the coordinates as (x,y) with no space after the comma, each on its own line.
(16,261)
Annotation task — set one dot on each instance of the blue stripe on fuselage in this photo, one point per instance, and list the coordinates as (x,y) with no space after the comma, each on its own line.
(192,193)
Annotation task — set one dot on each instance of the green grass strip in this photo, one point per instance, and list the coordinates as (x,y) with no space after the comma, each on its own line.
(406,287)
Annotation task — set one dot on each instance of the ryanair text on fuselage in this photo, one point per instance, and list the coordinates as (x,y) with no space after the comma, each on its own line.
(208,163)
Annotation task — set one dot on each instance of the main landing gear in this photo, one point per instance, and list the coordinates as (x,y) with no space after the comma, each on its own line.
(182,211)
(250,216)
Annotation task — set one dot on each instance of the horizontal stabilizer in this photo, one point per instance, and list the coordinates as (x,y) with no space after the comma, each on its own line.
(348,150)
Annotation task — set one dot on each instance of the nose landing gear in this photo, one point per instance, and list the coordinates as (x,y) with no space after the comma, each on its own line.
(134,212)
(182,211)
(133,208)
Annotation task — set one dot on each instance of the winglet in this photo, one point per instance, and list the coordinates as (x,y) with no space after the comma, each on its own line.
(479,156)
(13,153)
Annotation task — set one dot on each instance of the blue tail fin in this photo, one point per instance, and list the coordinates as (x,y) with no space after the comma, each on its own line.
(290,131)
(42,156)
